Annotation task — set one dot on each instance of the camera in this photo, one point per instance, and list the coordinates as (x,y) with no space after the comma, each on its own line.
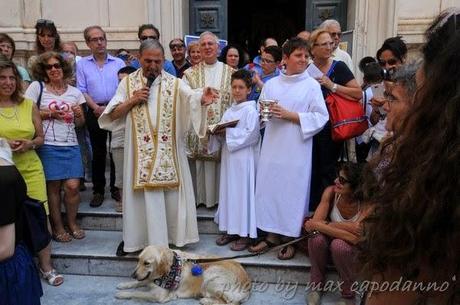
(373,72)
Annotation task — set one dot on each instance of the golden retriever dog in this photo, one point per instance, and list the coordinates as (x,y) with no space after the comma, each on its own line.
(167,275)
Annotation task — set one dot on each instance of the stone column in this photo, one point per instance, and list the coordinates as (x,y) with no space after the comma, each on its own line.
(375,20)
(171,17)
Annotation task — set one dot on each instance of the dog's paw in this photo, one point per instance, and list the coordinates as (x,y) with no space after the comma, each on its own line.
(209,301)
(126,285)
(123,295)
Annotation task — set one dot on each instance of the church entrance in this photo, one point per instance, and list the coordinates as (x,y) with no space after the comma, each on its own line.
(247,22)
(251,21)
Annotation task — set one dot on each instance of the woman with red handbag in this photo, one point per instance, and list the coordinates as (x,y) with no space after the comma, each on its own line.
(334,77)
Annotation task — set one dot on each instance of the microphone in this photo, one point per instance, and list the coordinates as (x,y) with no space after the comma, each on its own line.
(150,80)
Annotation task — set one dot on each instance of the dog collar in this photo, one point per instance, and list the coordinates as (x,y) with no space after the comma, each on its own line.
(171,280)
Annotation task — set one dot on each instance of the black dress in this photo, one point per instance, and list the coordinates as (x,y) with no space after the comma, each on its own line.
(19,280)
(326,152)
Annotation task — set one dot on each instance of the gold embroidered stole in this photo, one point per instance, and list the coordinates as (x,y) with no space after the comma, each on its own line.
(198,148)
(155,159)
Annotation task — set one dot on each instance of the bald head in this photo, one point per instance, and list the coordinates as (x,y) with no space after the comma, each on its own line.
(209,46)
(150,44)
(209,34)
(151,57)
(305,35)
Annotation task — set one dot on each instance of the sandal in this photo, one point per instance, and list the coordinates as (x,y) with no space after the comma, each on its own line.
(78,234)
(261,246)
(286,253)
(62,238)
(240,244)
(226,239)
(52,277)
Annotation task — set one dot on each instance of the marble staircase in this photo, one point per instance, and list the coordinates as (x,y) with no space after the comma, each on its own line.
(92,269)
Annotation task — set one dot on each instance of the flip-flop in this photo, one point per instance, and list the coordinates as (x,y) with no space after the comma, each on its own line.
(78,234)
(261,246)
(226,239)
(240,244)
(62,238)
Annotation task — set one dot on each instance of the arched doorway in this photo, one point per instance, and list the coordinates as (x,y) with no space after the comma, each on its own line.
(251,21)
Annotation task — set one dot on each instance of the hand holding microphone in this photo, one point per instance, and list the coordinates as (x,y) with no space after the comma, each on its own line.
(142,95)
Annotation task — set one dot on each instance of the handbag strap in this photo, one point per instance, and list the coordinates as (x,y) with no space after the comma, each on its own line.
(331,69)
(39,100)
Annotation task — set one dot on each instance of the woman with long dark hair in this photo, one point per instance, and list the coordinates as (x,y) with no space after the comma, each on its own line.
(46,39)
(414,233)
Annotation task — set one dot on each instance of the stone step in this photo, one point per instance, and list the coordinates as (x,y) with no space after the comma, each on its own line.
(95,255)
(100,290)
(106,218)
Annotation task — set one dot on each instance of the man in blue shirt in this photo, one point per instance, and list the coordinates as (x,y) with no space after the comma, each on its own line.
(97,79)
(149,31)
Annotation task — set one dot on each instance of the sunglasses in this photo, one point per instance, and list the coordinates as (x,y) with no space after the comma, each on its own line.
(176,46)
(55,66)
(148,37)
(342,180)
(391,62)
(44,22)
(338,34)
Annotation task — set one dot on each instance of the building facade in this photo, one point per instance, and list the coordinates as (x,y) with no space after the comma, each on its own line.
(369,22)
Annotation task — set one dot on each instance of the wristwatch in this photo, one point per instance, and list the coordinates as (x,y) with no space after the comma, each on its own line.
(334,88)
(34,146)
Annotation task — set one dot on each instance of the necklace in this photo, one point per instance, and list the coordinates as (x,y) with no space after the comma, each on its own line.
(12,116)
(56,90)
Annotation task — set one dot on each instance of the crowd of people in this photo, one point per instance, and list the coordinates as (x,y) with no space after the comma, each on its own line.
(188,132)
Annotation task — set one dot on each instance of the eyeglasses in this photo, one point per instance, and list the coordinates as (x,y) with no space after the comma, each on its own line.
(338,34)
(390,62)
(266,60)
(324,45)
(176,46)
(342,180)
(97,39)
(148,37)
(55,66)
(390,98)
(44,22)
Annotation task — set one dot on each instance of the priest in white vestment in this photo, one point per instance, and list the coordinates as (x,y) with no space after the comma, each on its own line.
(158,199)
(284,168)
(208,73)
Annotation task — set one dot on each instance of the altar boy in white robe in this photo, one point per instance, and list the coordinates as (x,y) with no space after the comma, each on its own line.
(284,168)
(236,213)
